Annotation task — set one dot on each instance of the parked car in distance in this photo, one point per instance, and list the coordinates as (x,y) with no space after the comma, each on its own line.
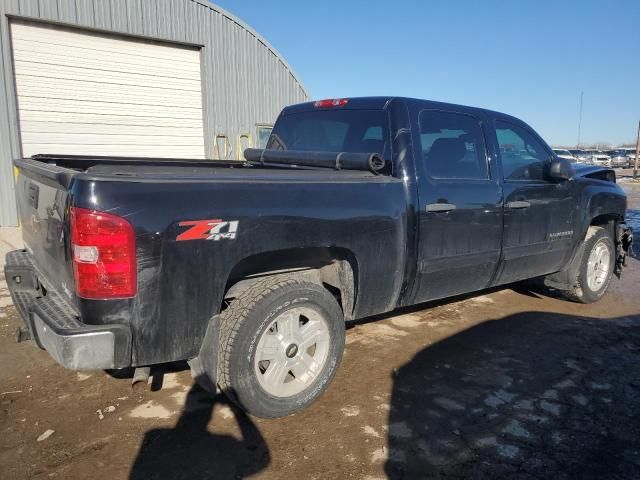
(249,270)
(619,158)
(631,155)
(566,154)
(600,158)
(581,155)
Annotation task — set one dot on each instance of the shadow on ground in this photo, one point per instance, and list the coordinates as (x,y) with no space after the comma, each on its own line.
(532,395)
(189,451)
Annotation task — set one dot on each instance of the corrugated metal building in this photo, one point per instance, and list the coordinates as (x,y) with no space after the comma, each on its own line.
(170,78)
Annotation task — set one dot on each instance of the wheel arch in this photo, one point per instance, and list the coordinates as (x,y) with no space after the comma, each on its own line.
(604,206)
(607,220)
(335,268)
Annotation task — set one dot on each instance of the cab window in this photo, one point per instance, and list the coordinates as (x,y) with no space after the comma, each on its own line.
(358,131)
(523,156)
(453,146)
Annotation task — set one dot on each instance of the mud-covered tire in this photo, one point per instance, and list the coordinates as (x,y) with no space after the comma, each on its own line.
(597,237)
(244,323)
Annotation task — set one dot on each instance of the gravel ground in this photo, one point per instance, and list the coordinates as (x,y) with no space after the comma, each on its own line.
(513,382)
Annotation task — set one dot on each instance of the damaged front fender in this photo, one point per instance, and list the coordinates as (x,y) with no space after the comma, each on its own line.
(624,244)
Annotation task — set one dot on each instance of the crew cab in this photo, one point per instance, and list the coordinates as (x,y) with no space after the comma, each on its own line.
(250,269)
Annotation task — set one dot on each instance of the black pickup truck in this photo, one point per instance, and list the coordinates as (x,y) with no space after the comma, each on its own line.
(250,269)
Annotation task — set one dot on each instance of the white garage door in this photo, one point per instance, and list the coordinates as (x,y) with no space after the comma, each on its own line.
(87,93)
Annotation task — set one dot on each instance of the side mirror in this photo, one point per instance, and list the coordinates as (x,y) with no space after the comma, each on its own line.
(561,169)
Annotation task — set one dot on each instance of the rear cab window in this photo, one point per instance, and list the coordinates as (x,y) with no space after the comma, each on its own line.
(339,130)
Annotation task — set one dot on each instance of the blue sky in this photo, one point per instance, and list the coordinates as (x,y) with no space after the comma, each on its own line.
(530,59)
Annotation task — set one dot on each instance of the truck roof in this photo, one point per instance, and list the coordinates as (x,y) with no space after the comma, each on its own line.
(381,102)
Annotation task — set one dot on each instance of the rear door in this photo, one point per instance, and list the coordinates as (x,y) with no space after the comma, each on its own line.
(460,219)
(539,211)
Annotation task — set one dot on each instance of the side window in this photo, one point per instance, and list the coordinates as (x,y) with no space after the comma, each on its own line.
(523,156)
(453,145)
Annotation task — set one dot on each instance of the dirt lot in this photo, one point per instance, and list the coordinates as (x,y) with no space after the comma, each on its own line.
(514,382)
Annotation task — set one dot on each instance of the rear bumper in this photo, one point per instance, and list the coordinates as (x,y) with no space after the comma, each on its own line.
(56,327)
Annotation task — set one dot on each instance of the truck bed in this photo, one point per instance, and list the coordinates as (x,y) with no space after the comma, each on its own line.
(181,283)
(140,169)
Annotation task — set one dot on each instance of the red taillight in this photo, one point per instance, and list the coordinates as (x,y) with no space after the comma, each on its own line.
(103,250)
(331,102)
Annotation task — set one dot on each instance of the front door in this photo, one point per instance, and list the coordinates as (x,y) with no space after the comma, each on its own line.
(461,206)
(538,211)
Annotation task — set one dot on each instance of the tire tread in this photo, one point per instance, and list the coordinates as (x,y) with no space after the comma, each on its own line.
(232,318)
(576,293)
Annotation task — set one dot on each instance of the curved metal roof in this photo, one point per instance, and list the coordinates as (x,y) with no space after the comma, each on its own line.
(259,37)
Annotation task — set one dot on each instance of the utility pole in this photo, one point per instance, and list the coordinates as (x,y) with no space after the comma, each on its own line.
(635,168)
(580,119)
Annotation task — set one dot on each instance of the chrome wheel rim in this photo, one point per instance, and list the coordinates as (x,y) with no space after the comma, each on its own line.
(598,266)
(292,352)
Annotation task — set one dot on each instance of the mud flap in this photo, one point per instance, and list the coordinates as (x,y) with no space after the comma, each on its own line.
(624,246)
(204,367)
(564,279)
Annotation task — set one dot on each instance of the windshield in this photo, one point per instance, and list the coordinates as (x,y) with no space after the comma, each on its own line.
(355,131)
(562,152)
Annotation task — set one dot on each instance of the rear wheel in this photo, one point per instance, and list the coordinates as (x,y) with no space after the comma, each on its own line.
(596,267)
(281,342)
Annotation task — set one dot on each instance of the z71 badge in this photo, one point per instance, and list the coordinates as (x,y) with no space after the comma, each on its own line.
(208,230)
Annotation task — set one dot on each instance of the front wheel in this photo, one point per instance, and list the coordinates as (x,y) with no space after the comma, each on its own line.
(596,267)
(281,342)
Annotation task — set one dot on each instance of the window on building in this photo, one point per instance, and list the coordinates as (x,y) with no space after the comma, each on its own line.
(222,148)
(244,142)
(263,133)
(523,156)
(453,145)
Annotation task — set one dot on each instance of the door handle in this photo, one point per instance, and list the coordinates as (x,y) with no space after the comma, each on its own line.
(440,207)
(518,204)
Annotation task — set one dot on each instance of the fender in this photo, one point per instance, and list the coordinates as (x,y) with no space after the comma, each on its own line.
(603,203)
(604,200)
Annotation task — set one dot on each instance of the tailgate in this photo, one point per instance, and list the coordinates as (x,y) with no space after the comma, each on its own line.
(42,206)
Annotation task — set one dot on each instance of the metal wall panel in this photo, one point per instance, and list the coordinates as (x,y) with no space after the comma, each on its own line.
(30,7)
(49,10)
(9,135)
(84,12)
(245,81)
